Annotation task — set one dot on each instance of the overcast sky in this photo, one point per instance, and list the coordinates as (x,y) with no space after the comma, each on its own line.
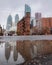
(14,7)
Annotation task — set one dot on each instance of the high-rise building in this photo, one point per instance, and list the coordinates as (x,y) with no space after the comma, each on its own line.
(27,19)
(38,20)
(9,22)
(27,9)
(23,26)
(37,16)
(31,25)
(16,19)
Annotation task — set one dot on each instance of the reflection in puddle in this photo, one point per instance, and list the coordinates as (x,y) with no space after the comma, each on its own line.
(7,51)
(14,53)
(9,54)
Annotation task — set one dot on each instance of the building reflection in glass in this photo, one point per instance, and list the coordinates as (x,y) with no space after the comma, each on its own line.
(7,51)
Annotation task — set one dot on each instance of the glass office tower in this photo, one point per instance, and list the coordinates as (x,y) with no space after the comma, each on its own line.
(16,19)
(9,22)
(27,8)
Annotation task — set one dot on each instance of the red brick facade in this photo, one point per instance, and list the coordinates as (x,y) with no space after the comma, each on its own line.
(47,24)
(23,26)
(46,27)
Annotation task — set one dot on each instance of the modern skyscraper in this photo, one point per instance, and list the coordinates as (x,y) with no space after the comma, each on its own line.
(27,9)
(32,23)
(9,22)
(16,19)
(23,26)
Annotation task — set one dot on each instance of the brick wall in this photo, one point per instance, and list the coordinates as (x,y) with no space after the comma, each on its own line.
(23,26)
(47,24)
